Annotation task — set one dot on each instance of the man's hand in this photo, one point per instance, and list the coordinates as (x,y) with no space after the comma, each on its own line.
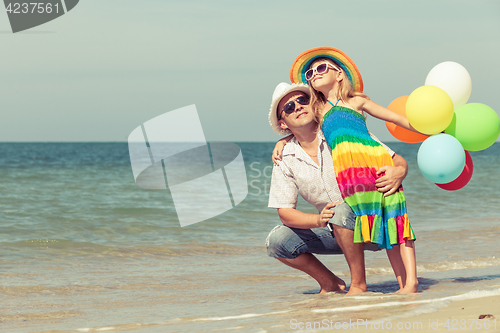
(393,176)
(326,214)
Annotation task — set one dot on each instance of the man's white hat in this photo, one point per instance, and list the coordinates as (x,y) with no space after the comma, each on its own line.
(281,90)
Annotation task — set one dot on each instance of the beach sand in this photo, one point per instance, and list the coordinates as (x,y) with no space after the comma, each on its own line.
(469,310)
(459,315)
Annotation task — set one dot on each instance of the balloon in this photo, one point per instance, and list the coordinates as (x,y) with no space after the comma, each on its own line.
(475,125)
(452,78)
(429,109)
(441,158)
(464,177)
(399,106)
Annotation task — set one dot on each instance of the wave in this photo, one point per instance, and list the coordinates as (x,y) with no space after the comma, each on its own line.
(68,248)
(431,305)
(469,295)
(177,321)
(478,262)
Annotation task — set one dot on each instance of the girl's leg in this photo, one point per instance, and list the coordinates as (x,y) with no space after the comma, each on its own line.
(397,264)
(410,264)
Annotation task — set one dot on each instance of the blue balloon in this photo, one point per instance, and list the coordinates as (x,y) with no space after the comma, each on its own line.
(441,158)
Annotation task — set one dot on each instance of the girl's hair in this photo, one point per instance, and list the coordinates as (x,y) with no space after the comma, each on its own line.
(345,90)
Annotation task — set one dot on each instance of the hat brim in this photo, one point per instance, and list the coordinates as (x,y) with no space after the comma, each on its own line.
(273,117)
(303,62)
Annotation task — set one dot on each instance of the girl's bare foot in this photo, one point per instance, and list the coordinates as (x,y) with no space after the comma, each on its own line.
(409,288)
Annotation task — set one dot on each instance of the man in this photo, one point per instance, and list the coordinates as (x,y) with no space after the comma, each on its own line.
(306,166)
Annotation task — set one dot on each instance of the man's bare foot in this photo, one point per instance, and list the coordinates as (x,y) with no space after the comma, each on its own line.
(336,285)
(355,291)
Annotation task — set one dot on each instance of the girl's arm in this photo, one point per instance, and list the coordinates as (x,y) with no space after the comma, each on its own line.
(378,111)
(278,149)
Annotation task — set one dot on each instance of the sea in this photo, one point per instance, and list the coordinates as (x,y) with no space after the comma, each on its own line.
(84,249)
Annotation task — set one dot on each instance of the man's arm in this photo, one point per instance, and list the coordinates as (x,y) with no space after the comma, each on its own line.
(393,177)
(294,218)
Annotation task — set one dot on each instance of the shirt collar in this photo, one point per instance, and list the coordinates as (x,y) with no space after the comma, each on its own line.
(293,148)
(321,138)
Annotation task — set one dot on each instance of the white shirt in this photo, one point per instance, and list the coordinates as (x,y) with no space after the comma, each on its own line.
(297,172)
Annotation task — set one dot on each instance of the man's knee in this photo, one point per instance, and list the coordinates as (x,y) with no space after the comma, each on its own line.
(276,242)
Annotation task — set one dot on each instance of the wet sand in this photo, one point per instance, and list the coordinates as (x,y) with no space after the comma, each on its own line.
(459,315)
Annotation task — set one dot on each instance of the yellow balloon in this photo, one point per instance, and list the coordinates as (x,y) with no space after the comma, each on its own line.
(429,109)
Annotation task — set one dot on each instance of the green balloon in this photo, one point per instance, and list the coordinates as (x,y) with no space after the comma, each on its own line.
(476,126)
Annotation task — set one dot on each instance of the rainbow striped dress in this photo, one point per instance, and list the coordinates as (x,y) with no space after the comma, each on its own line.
(356,158)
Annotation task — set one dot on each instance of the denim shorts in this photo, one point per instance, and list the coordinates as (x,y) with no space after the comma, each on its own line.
(344,216)
(288,243)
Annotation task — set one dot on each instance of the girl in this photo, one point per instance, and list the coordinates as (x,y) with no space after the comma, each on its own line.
(335,85)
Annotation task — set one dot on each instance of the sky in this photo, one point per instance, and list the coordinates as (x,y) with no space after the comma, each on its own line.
(106,67)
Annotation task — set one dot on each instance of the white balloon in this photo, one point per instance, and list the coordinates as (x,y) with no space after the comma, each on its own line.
(452,78)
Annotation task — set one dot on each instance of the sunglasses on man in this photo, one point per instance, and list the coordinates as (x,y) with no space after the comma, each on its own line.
(290,106)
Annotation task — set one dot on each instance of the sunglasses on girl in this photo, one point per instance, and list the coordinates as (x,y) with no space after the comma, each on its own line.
(320,69)
(290,106)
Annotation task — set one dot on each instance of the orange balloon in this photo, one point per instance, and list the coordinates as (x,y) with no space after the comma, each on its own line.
(402,134)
